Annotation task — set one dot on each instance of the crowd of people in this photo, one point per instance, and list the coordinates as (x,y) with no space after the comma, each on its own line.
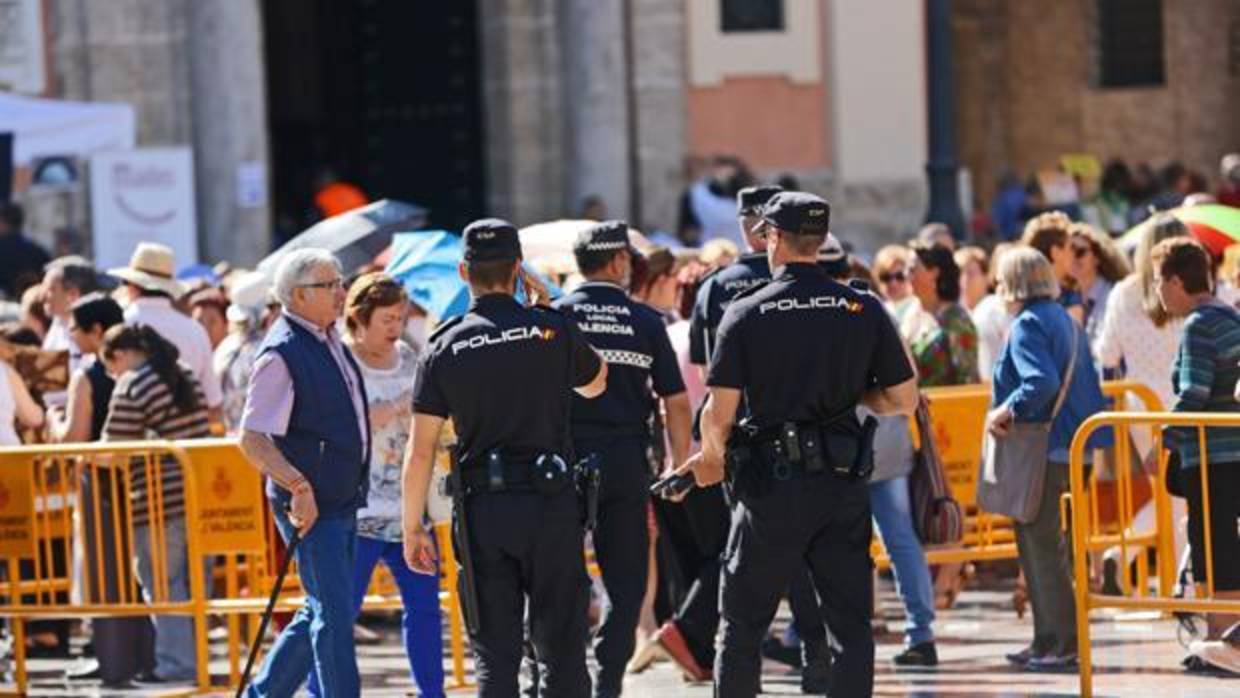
(1042,317)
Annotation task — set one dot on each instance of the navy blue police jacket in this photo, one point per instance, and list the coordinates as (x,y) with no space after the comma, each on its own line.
(504,374)
(805,348)
(632,338)
(715,294)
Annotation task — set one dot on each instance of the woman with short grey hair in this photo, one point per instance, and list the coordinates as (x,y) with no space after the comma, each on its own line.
(1028,377)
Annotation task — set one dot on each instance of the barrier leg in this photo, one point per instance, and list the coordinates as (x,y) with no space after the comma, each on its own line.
(1080,564)
(456,634)
(1165,522)
(19,655)
(233,591)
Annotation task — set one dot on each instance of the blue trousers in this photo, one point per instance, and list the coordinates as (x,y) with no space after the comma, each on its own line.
(420,624)
(894,516)
(320,638)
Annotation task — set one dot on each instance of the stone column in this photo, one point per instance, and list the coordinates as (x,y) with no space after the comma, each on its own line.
(596,103)
(523,116)
(114,52)
(657,36)
(225,45)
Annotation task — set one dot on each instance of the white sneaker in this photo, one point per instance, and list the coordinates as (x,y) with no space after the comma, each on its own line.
(1217,654)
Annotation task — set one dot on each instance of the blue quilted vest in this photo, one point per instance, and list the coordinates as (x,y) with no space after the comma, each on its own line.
(322,439)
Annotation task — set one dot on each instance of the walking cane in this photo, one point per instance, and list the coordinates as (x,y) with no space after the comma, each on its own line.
(271,604)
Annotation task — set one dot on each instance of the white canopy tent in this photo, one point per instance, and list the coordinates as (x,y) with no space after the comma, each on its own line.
(45,127)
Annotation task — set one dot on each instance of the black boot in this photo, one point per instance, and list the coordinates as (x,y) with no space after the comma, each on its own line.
(920,654)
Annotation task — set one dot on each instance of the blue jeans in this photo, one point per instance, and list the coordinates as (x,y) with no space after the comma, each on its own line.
(420,623)
(320,637)
(175,658)
(893,513)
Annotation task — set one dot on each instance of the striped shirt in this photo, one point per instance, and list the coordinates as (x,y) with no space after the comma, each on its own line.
(1206,369)
(142,408)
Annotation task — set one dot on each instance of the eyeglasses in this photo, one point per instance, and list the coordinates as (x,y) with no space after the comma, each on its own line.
(893,276)
(330,285)
(1080,251)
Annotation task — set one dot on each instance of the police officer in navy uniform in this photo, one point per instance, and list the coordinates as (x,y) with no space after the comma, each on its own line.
(632,339)
(719,288)
(802,351)
(696,529)
(505,374)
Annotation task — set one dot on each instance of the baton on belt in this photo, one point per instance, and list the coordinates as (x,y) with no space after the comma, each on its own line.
(271,604)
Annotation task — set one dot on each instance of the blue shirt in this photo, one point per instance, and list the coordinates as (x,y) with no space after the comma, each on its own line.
(1030,370)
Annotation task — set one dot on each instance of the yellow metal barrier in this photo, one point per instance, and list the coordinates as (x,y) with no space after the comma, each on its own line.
(1084,528)
(958,415)
(44,513)
(54,497)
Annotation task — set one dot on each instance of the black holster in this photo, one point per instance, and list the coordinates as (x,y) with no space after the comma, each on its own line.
(588,477)
(758,458)
(464,553)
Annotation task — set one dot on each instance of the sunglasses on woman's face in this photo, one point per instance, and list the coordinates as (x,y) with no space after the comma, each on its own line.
(888,277)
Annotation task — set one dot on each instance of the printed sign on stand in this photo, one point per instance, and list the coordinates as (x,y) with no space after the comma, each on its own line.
(143,195)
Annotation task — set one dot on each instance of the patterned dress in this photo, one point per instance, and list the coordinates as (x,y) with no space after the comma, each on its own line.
(946,351)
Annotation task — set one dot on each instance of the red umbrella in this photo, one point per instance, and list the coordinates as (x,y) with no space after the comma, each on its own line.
(1214,225)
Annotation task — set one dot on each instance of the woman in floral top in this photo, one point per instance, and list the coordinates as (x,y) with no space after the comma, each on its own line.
(943,341)
(946,349)
(375,312)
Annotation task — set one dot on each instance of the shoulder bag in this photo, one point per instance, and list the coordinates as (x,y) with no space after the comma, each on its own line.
(937,516)
(1013,468)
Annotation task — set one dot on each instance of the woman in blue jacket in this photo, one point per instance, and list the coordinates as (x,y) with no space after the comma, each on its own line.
(1027,379)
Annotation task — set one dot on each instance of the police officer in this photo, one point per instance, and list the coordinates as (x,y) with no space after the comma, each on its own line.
(719,288)
(632,339)
(505,374)
(697,527)
(803,351)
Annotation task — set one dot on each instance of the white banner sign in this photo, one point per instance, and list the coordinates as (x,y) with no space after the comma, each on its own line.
(143,195)
(21,46)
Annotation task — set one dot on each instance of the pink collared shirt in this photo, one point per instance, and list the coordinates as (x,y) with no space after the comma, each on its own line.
(269,402)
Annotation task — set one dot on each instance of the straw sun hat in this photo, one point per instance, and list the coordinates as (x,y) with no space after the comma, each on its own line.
(152,267)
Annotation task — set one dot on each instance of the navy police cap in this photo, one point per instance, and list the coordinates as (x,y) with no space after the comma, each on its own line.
(798,213)
(750,200)
(607,236)
(491,239)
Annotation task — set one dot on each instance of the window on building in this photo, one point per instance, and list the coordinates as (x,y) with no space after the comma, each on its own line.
(751,15)
(1130,43)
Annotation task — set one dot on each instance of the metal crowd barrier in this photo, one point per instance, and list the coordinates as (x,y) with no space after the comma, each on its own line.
(958,415)
(54,499)
(1084,529)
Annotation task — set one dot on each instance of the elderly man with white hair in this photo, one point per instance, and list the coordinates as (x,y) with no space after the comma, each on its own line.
(305,425)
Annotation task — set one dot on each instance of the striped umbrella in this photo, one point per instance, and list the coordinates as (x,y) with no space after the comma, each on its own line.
(1214,225)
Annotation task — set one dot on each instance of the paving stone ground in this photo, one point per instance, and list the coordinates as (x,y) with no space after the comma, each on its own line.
(1136,654)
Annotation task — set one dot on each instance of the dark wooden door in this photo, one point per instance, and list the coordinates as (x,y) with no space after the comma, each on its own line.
(384,92)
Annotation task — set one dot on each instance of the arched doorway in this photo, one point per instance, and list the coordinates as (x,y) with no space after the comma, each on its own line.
(386,94)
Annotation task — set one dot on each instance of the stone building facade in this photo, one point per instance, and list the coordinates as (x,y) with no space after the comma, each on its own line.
(612,98)
(617,98)
(1030,91)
